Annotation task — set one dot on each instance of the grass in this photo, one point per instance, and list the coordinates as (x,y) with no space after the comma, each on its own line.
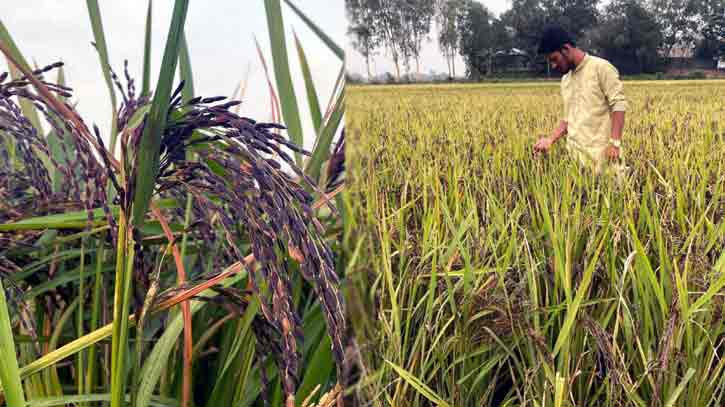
(103,307)
(486,277)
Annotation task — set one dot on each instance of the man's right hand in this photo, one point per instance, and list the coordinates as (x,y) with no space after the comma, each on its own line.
(543,145)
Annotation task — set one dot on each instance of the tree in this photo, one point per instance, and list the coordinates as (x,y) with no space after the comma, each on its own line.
(417,18)
(480,36)
(690,23)
(529,17)
(400,26)
(629,36)
(678,21)
(447,12)
(361,15)
(501,34)
(575,16)
(712,26)
(476,37)
(389,25)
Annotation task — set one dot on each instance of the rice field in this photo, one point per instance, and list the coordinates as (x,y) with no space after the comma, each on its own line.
(483,276)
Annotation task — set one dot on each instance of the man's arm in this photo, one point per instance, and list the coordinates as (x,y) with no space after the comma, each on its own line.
(612,87)
(559,132)
(613,90)
(617,124)
(545,143)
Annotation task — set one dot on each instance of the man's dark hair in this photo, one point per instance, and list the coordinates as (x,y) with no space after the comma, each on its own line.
(553,39)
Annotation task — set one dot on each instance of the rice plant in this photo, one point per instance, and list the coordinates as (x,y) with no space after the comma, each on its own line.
(485,276)
(190,262)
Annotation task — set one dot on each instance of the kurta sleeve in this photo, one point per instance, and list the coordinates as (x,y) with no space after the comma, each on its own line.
(612,87)
(565,103)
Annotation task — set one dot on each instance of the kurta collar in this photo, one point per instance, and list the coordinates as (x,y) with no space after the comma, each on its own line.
(582,63)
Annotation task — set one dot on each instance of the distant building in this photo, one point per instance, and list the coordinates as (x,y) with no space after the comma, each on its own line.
(504,60)
(681,51)
(682,58)
(511,60)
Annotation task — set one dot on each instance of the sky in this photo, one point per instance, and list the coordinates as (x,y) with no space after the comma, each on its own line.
(220,35)
(431,58)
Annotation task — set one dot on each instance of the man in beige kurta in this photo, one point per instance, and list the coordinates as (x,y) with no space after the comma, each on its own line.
(594,104)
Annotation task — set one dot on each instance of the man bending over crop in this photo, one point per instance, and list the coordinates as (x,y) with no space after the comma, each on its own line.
(594,103)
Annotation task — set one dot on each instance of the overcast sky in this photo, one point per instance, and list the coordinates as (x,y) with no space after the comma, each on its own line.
(431,57)
(220,34)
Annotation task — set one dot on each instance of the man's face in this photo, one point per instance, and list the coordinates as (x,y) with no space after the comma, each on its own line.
(560,60)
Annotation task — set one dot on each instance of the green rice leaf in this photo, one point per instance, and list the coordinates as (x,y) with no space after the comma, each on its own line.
(56,142)
(318,368)
(10,372)
(71,220)
(288,100)
(146,82)
(417,384)
(6,39)
(324,37)
(150,145)
(94,12)
(155,363)
(672,399)
(26,106)
(155,401)
(59,280)
(581,292)
(96,336)
(325,135)
(312,99)
(185,71)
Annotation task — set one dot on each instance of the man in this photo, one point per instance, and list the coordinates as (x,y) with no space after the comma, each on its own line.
(594,103)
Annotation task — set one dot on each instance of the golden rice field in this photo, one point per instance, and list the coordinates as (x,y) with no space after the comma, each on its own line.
(483,276)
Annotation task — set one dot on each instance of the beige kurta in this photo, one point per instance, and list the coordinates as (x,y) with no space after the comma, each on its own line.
(591,92)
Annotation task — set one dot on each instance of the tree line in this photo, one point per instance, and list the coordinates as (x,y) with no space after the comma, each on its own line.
(633,34)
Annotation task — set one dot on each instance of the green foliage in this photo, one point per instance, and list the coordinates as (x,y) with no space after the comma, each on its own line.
(477,42)
(10,373)
(629,37)
(73,293)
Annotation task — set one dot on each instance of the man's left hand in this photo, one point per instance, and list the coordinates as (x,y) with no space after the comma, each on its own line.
(612,153)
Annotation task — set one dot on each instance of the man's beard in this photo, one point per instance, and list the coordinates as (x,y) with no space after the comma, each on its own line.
(569,67)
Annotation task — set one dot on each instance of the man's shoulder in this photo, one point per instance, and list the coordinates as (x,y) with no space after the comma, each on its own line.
(598,62)
(597,59)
